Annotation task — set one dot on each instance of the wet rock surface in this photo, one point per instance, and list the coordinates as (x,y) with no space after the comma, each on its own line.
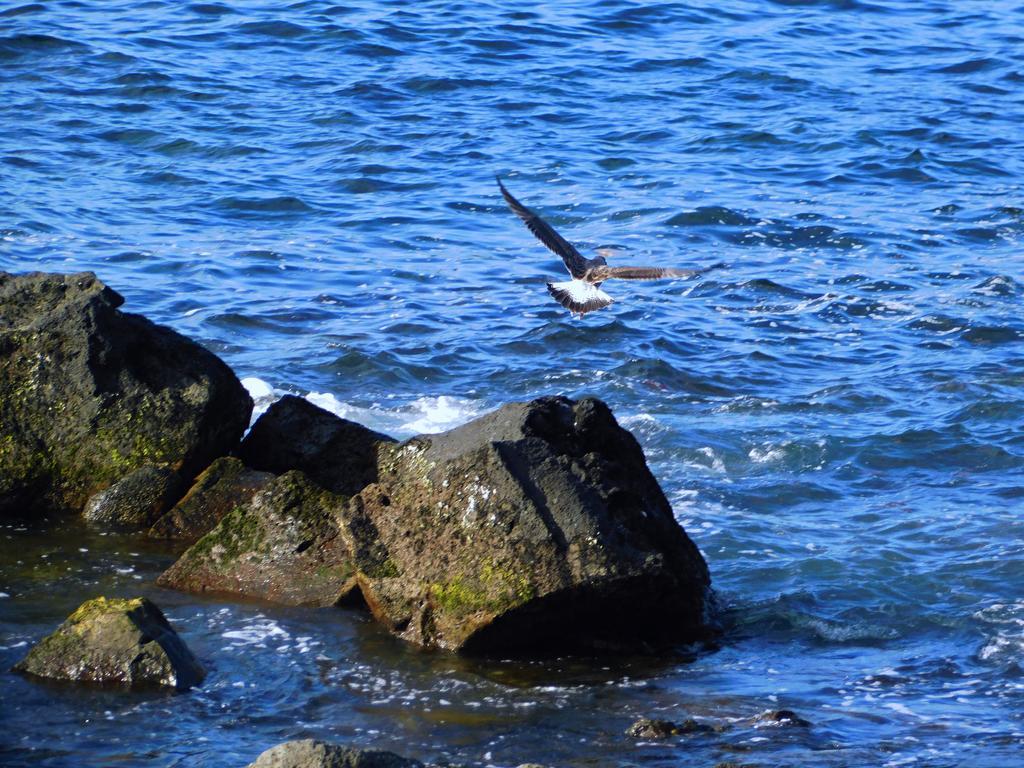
(647,728)
(134,501)
(89,394)
(781,717)
(535,529)
(286,545)
(223,486)
(310,753)
(338,454)
(116,641)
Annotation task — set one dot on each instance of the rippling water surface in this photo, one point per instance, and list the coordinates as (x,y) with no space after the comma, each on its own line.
(836,413)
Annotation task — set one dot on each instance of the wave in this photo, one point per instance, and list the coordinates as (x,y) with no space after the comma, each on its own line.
(428,414)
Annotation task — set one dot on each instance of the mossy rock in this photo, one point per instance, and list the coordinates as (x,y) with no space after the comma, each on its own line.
(115,641)
(226,484)
(285,545)
(89,394)
(311,753)
(535,529)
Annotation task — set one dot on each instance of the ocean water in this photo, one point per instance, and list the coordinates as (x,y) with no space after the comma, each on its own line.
(836,413)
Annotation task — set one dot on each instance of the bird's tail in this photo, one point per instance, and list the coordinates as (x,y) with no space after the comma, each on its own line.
(579,296)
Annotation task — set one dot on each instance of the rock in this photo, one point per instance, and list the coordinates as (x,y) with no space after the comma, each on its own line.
(134,501)
(310,753)
(286,545)
(89,394)
(536,529)
(646,728)
(782,717)
(223,486)
(115,641)
(339,455)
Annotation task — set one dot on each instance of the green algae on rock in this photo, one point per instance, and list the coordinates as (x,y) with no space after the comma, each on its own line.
(311,753)
(227,483)
(89,394)
(120,641)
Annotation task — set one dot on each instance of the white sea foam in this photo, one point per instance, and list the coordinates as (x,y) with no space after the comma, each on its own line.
(424,415)
(767,453)
(257,632)
(1006,632)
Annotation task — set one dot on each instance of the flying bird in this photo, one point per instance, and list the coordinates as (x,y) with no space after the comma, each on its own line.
(583,293)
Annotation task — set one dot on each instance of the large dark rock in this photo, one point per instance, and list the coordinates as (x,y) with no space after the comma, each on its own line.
(223,486)
(310,753)
(115,641)
(89,394)
(337,454)
(535,529)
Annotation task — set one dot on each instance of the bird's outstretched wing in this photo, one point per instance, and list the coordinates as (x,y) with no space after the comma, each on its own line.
(574,262)
(599,274)
(579,297)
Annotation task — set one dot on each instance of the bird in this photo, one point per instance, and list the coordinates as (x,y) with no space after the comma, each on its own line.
(583,294)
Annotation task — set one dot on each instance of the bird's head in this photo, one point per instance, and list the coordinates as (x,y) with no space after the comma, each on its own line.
(603,254)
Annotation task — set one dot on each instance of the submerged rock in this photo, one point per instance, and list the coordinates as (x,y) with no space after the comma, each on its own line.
(310,753)
(89,394)
(535,529)
(781,717)
(647,728)
(134,501)
(339,455)
(286,545)
(115,641)
(223,486)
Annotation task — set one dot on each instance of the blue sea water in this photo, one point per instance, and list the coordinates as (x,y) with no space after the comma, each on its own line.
(837,413)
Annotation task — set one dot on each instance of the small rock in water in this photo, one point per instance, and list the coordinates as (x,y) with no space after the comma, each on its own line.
(224,485)
(311,753)
(647,728)
(115,641)
(134,501)
(781,717)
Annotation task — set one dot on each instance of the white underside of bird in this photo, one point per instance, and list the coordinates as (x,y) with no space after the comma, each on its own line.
(579,296)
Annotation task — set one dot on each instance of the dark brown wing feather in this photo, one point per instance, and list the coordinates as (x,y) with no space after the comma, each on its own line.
(579,307)
(598,274)
(574,262)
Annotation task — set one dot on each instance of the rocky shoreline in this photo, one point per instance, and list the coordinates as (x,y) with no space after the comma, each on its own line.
(534,530)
